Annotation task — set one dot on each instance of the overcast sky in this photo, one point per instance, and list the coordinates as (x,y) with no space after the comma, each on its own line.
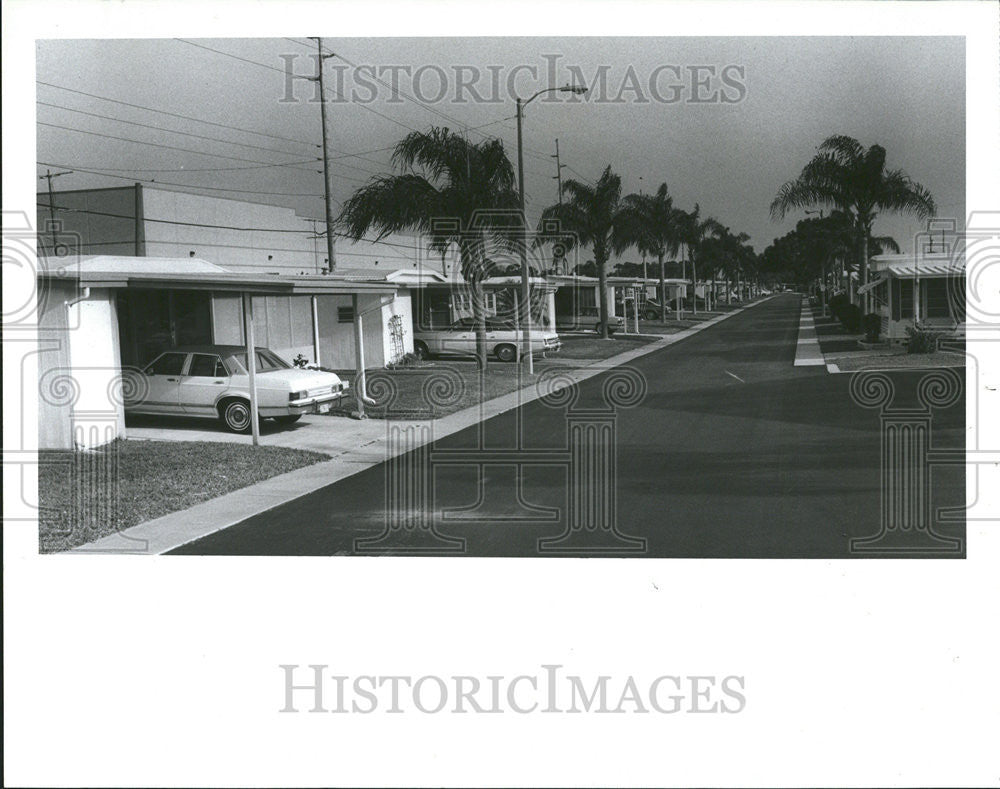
(728,143)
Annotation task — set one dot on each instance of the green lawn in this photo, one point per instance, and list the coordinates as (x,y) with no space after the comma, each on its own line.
(86,495)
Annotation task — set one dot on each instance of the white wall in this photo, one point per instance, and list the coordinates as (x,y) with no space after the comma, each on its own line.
(98,415)
(281,323)
(240,250)
(402,306)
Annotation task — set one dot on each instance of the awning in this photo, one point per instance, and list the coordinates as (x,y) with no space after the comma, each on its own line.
(873,284)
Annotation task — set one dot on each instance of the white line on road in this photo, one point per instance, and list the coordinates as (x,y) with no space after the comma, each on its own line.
(735,376)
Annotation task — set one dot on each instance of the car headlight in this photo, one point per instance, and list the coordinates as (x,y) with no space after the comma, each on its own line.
(298,395)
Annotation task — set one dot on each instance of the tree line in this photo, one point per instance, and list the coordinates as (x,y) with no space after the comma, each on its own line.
(464,194)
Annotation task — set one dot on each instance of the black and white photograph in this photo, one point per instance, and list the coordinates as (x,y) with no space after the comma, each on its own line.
(506,394)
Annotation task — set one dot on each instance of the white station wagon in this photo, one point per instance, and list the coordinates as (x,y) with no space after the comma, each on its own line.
(212,381)
(502,340)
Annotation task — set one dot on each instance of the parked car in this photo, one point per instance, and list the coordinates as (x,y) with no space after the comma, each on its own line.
(651,311)
(502,340)
(213,381)
(583,318)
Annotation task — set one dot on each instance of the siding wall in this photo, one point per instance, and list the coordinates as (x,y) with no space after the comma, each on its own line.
(284,324)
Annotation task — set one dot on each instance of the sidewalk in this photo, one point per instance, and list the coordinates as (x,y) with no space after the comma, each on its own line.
(840,353)
(358,445)
(807,350)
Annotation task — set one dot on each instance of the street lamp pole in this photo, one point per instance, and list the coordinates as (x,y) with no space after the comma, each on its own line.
(525,283)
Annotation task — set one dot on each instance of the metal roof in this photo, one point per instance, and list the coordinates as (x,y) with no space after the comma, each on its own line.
(113,271)
(913,266)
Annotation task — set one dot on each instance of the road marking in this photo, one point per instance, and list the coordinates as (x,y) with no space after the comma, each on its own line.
(735,376)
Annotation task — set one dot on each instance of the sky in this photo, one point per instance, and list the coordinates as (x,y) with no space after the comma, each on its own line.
(722,121)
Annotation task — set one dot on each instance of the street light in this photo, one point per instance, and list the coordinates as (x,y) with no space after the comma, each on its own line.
(525,285)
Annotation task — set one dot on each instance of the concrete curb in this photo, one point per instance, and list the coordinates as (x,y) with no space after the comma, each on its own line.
(175,529)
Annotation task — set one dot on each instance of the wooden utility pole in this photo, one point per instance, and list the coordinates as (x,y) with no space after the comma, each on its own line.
(327,175)
(49,175)
(558,175)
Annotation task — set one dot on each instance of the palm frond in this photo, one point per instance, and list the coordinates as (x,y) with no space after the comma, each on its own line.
(390,204)
(846,148)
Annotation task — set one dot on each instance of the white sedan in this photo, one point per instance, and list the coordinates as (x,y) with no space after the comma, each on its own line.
(502,340)
(212,381)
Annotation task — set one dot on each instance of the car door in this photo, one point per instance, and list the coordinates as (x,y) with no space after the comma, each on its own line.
(205,380)
(460,338)
(163,376)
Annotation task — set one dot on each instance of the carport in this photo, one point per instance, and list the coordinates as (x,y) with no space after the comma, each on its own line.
(92,285)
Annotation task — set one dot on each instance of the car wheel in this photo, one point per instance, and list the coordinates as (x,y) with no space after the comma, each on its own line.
(651,315)
(289,419)
(505,353)
(236,416)
(420,350)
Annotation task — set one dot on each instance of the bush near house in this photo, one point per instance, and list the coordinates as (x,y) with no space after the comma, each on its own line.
(922,340)
(836,304)
(872,325)
(850,318)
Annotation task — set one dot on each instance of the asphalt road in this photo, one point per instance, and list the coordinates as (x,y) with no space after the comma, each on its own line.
(733,452)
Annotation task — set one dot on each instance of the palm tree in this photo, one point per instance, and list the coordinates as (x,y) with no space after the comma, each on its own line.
(694,231)
(591,214)
(846,176)
(648,223)
(443,176)
(834,237)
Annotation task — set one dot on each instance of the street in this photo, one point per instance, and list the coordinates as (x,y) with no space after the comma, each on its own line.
(732,453)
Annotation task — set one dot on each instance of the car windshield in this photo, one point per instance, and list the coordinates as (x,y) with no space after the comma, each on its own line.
(267,361)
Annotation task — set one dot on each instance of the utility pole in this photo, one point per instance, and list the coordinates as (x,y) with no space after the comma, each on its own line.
(327,175)
(558,175)
(49,175)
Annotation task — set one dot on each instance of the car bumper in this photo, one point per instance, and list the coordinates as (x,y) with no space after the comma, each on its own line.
(316,405)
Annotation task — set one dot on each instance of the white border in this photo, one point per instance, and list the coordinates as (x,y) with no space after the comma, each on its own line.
(164,670)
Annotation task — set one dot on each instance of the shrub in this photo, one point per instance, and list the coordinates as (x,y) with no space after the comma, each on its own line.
(850,318)
(872,325)
(406,360)
(922,340)
(837,303)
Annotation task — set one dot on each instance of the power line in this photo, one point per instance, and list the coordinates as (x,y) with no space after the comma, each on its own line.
(177,115)
(280,71)
(213,227)
(163,128)
(131,179)
(292,165)
(187,134)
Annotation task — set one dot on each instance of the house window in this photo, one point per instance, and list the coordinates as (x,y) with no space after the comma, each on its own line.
(936,291)
(345,314)
(902,299)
